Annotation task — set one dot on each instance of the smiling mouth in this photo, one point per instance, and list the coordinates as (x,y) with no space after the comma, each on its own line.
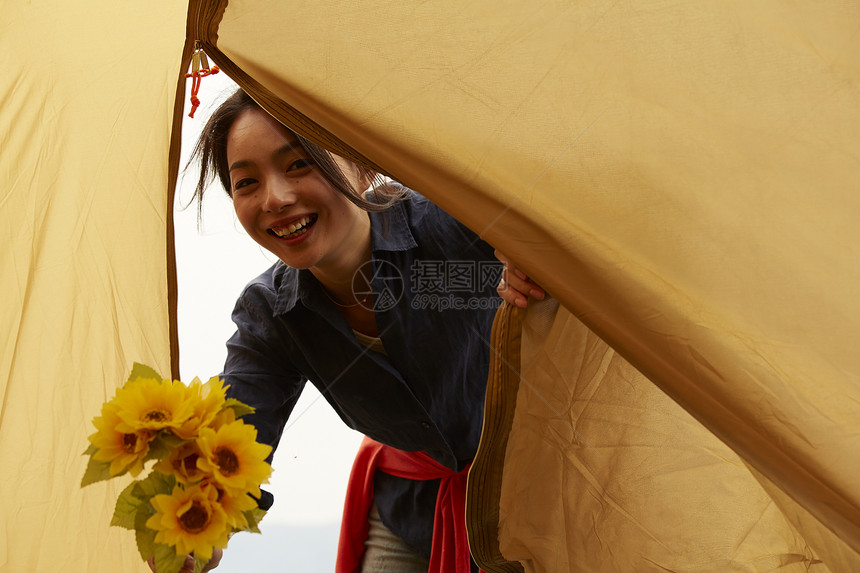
(296,229)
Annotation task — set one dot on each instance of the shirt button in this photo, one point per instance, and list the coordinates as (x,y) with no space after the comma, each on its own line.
(425,425)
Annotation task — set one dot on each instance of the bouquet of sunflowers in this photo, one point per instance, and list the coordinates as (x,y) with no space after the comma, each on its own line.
(206,466)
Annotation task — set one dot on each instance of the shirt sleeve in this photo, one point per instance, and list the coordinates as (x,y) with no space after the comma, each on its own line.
(259,374)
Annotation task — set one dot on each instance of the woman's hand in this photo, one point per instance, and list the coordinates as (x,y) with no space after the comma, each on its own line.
(189,562)
(515,286)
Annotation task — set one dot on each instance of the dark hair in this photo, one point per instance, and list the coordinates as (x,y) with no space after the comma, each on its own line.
(211,151)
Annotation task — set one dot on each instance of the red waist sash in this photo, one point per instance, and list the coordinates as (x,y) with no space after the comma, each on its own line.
(450,552)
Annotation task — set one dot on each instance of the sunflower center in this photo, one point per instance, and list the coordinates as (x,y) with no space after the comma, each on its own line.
(156,416)
(129,441)
(195,519)
(189,464)
(227,461)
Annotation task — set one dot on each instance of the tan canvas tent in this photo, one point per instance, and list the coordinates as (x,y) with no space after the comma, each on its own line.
(681,177)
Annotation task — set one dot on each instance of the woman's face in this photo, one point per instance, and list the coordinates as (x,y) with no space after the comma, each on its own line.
(286,205)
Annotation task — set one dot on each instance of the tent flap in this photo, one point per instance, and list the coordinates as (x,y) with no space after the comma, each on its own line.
(682,178)
(628,479)
(86,115)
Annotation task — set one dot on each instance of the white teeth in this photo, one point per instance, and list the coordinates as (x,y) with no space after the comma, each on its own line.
(291,228)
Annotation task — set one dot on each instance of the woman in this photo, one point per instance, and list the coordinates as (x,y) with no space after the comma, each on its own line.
(380,299)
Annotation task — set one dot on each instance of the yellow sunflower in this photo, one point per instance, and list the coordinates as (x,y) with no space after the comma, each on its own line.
(224,417)
(124,450)
(190,520)
(233,457)
(182,463)
(208,399)
(147,404)
(234,506)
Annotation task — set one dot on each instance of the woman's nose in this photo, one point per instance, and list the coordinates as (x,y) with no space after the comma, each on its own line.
(279,194)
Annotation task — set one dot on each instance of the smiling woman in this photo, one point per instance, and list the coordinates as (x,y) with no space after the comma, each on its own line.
(268,171)
(410,377)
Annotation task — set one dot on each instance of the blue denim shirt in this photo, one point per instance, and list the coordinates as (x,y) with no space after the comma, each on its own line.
(434,285)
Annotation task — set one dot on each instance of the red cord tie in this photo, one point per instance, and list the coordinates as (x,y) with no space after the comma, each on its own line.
(199,70)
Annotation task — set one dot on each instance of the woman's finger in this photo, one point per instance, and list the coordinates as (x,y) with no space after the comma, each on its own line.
(524,286)
(500,255)
(511,294)
(515,285)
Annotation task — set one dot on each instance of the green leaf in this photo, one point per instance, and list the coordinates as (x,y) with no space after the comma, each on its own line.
(97,470)
(144,536)
(199,564)
(158,450)
(126,508)
(170,439)
(167,560)
(91,449)
(154,484)
(253,516)
(239,408)
(139,370)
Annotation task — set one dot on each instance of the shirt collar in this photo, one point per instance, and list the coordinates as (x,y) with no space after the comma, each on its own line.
(286,281)
(389,229)
(293,285)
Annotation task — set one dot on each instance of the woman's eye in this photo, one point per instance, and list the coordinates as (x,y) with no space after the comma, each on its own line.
(299,164)
(243,183)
